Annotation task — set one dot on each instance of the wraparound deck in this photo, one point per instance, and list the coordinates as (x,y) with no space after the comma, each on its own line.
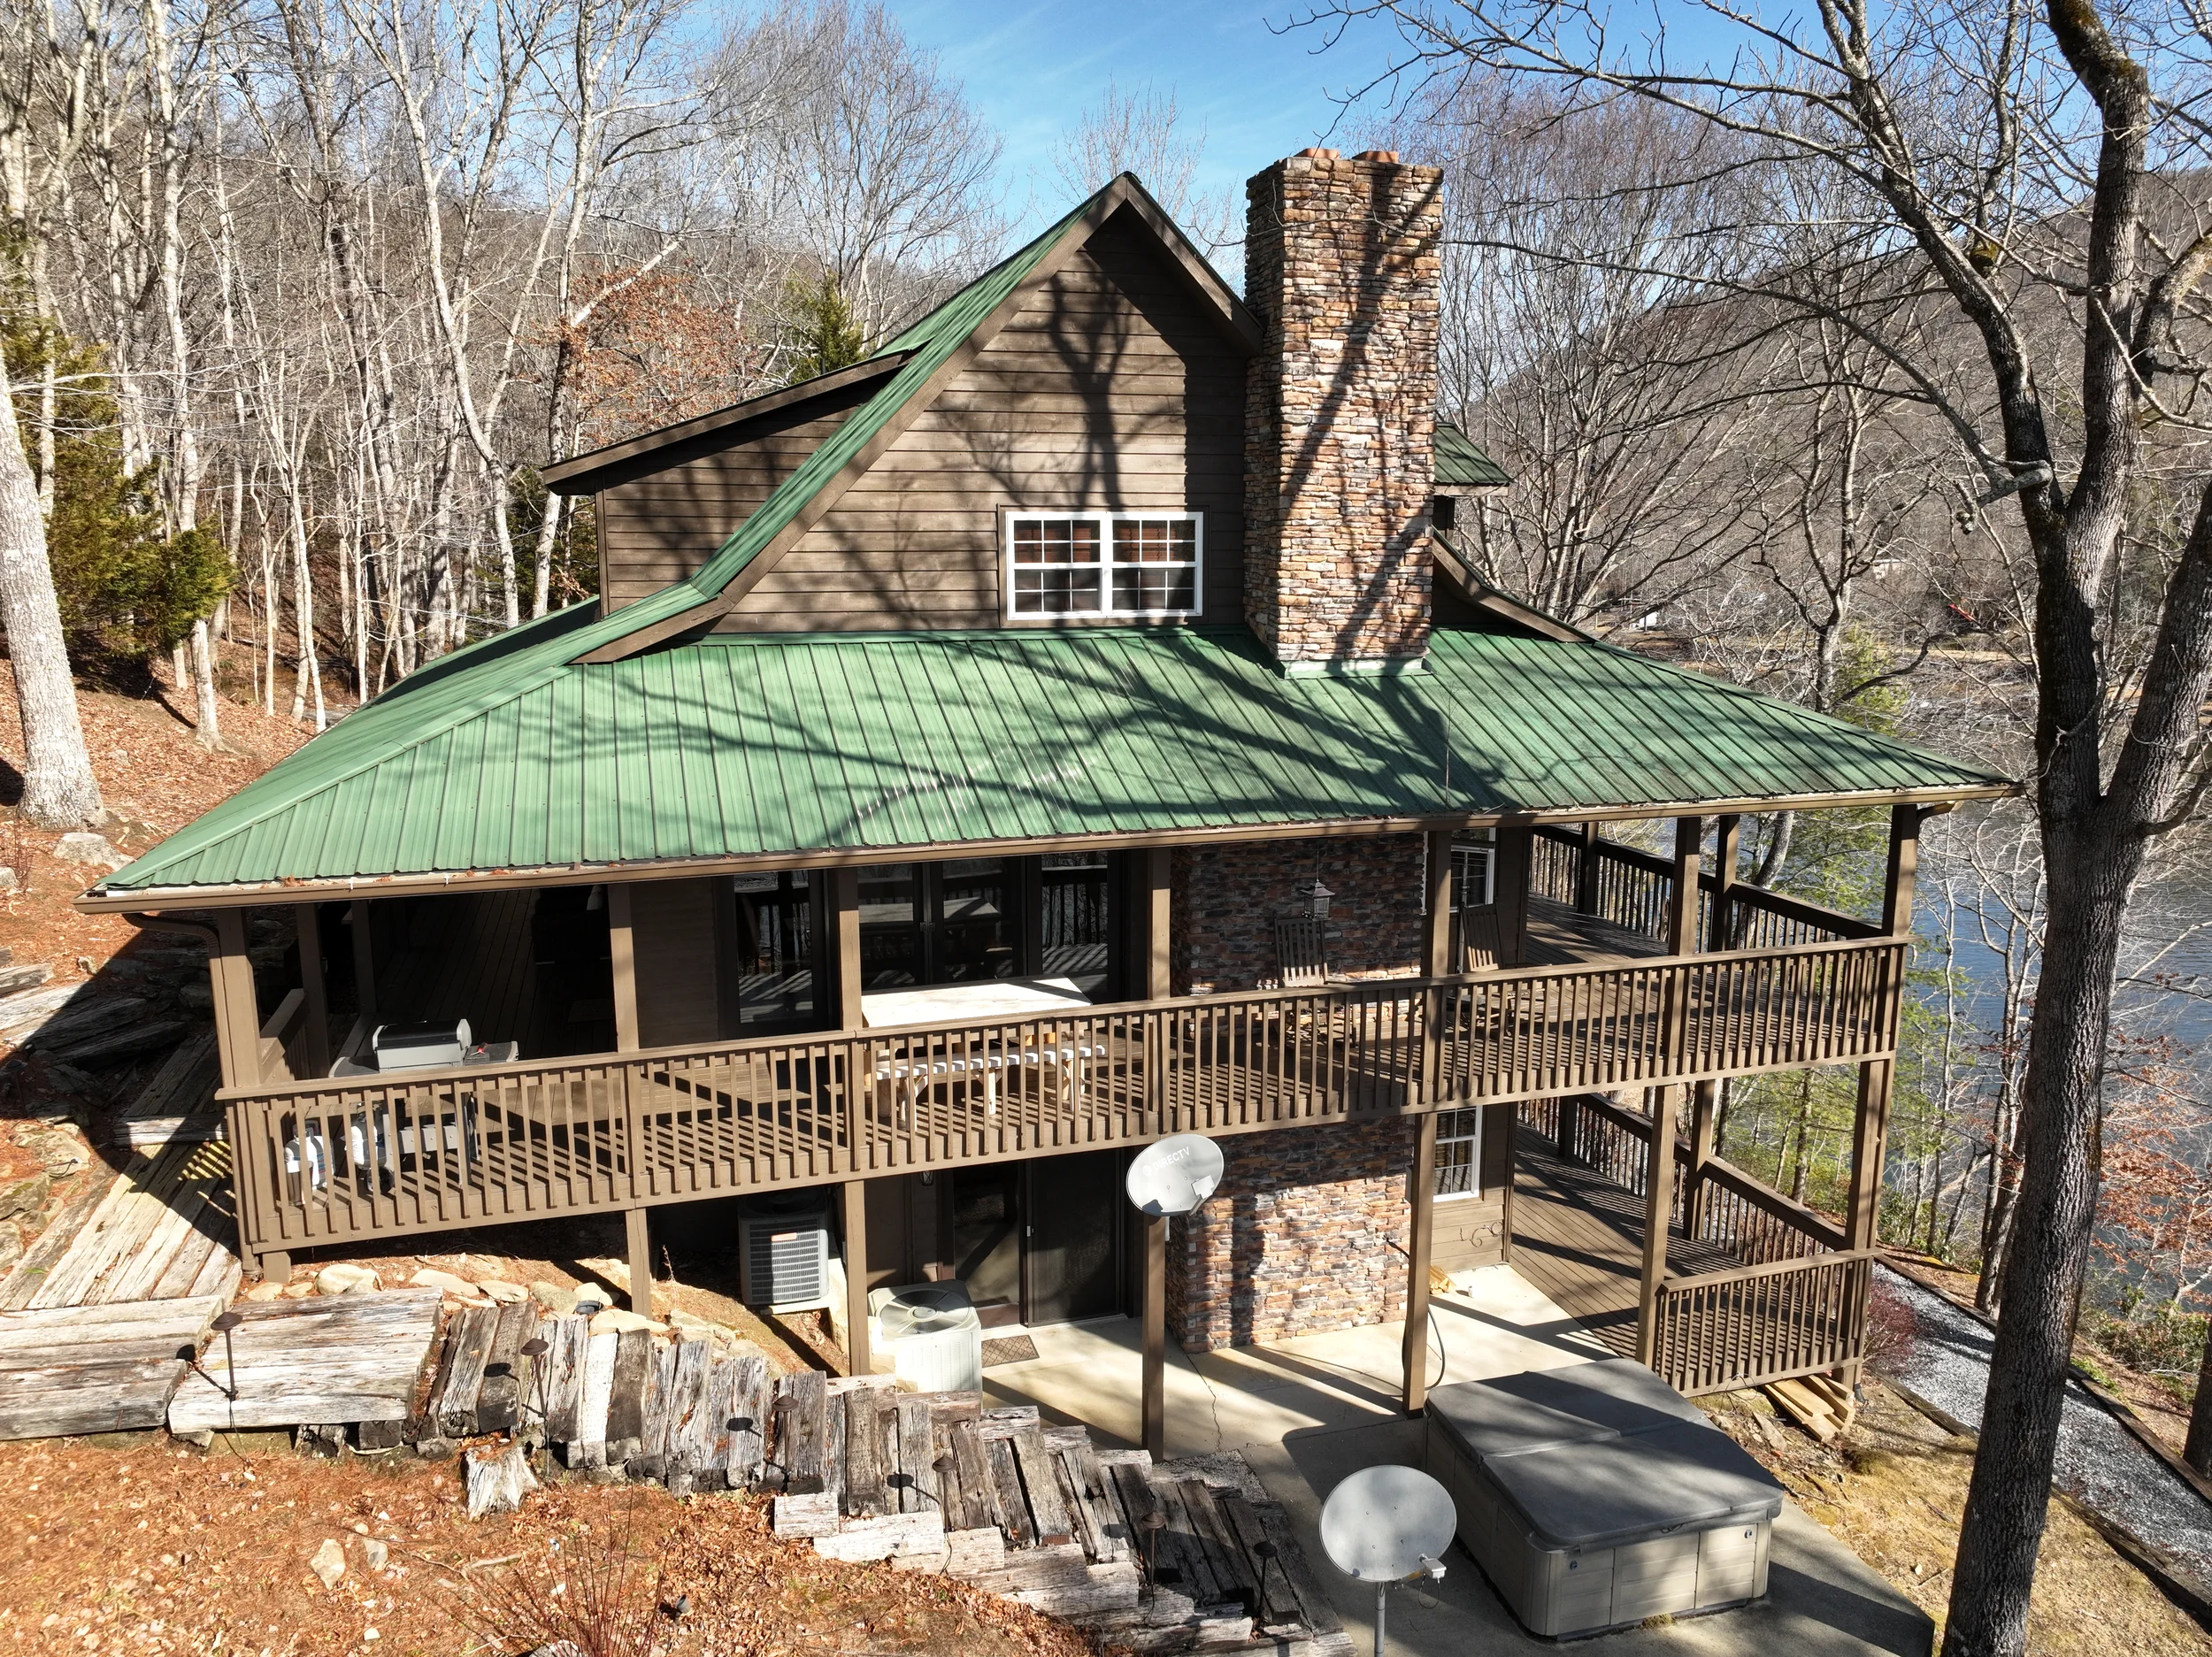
(340,1160)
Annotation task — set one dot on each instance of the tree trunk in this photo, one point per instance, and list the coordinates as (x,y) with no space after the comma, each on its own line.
(2197,1451)
(2002,1531)
(59,790)
(2004,1200)
(209,730)
(1777,851)
(1804,1128)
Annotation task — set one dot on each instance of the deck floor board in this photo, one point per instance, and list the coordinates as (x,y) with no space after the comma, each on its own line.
(1579,1237)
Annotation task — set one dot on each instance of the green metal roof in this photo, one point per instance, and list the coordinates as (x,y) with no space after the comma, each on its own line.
(1460,464)
(738,745)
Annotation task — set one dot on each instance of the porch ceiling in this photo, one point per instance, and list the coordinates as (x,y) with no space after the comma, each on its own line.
(739,747)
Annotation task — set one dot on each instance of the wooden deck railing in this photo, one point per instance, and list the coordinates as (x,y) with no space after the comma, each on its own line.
(1631,889)
(1794,1303)
(404,1153)
(1754,1324)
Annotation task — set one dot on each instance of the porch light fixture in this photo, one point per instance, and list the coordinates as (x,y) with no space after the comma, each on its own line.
(535,1349)
(225,1323)
(1317,898)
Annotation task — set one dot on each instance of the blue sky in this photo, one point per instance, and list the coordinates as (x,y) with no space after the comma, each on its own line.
(1031,67)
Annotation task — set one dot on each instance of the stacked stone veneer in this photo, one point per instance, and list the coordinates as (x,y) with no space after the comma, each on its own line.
(1342,271)
(1306,1234)
(1226,901)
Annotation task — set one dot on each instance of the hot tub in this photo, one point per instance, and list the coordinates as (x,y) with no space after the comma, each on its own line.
(1596,1495)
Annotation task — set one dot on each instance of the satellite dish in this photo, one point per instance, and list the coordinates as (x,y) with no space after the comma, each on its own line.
(1176,1175)
(1384,1524)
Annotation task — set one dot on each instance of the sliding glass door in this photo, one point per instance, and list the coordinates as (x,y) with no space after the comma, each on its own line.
(940,923)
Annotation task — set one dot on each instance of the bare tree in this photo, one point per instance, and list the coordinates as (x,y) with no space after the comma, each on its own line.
(58,787)
(1619,399)
(1143,132)
(2072,252)
(860,154)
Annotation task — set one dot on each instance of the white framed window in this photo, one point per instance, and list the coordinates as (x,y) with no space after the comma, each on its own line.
(1103,563)
(1474,872)
(1459,1152)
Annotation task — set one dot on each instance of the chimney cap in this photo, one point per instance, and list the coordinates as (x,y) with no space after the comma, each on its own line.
(1320,155)
(1387,157)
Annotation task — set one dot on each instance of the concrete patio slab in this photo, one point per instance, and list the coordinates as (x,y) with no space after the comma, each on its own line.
(1307,1412)
(1822,1602)
(1223,1400)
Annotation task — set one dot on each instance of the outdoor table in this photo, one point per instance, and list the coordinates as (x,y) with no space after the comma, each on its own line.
(986,1001)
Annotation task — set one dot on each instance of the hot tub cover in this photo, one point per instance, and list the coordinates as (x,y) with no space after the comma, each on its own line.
(1601,1453)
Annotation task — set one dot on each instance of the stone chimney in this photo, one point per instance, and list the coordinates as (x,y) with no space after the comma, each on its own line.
(1341,269)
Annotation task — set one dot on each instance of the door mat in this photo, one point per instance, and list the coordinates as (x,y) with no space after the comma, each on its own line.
(1008,1349)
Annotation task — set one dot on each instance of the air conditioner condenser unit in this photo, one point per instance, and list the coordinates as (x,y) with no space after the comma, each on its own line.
(785,1255)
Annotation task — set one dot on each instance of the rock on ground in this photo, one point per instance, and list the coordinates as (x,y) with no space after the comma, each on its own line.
(84,846)
(344,1278)
(431,1277)
(329,1563)
(616,1321)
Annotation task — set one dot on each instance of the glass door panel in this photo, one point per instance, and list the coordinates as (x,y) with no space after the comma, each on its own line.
(973,937)
(1077,894)
(986,1237)
(776,942)
(891,953)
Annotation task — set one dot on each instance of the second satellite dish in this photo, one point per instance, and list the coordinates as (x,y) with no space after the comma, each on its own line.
(1386,1523)
(1176,1175)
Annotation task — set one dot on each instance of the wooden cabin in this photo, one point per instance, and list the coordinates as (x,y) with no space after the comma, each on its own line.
(1065,728)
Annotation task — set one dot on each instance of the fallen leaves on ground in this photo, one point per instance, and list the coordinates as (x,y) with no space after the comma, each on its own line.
(152,772)
(1892,1489)
(148,1548)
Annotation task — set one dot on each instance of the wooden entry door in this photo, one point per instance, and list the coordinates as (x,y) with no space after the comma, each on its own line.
(1071,1254)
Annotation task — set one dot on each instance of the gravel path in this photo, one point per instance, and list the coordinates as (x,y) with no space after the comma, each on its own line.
(2099,1463)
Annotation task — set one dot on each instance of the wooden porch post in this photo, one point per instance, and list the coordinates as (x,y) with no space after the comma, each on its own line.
(1156,894)
(237,1012)
(1509,884)
(1436,963)
(1159,961)
(315,1037)
(854,1193)
(1414,1350)
(624,959)
(1689,842)
(1870,1131)
(238,1046)
(638,1240)
(1727,852)
(845,901)
(1154,1401)
(1689,837)
(1705,1098)
(363,958)
(637,1236)
(1658,1208)
(1586,872)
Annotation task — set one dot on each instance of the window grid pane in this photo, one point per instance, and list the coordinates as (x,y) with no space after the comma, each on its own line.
(1056,540)
(1154,540)
(1104,563)
(1458,1152)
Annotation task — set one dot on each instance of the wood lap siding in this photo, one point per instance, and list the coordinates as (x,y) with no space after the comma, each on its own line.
(673,931)
(660,527)
(1111,390)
